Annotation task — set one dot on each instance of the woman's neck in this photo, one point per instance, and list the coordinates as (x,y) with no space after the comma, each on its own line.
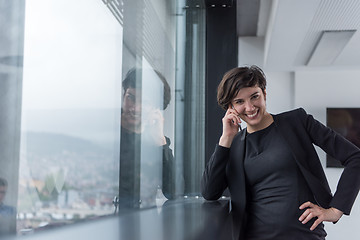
(266,121)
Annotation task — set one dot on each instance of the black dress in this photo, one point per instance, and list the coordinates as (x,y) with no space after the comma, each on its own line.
(276,189)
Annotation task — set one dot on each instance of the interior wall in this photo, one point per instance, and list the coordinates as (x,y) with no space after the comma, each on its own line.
(315,91)
(251,51)
(279,91)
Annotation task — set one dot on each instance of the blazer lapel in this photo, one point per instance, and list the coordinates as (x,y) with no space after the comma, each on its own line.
(297,145)
(237,185)
(235,169)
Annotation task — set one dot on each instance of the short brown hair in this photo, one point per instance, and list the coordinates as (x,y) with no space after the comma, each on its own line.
(236,79)
(131,81)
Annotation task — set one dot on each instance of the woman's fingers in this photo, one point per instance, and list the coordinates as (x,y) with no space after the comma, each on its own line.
(321,214)
(312,211)
(315,224)
(233,116)
(307,204)
(309,214)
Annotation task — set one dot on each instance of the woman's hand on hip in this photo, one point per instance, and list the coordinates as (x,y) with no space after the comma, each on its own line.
(230,122)
(321,214)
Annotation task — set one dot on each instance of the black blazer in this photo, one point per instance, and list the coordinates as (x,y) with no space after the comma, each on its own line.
(300,130)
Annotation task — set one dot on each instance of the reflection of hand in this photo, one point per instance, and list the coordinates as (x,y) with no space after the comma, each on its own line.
(321,214)
(154,127)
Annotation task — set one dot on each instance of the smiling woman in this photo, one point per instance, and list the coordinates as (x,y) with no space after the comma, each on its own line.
(277,185)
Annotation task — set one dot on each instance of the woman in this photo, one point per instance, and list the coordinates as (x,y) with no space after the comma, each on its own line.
(277,185)
(146,159)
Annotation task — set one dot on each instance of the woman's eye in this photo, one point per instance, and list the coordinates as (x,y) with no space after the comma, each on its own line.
(131,98)
(255,96)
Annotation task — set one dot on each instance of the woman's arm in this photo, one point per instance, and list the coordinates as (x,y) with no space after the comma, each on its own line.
(344,151)
(213,182)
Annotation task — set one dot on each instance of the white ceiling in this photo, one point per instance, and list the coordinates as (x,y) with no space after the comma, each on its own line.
(292,28)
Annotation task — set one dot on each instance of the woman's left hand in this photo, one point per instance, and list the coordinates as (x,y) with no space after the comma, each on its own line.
(322,214)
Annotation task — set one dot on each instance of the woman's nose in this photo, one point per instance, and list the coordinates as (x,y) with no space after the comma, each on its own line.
(249,106)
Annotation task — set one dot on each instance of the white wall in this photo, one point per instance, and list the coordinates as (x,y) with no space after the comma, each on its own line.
(251,51)
(279,91)
(314,91)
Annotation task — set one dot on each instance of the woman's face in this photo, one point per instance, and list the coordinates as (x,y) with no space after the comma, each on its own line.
(135,109)
(131,109)
(250,103)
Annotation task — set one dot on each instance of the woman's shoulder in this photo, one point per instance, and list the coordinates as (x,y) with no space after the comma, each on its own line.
(292,117)
(291,113)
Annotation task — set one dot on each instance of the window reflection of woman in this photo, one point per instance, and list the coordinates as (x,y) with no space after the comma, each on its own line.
(277,185)
(137,107)
(142,129)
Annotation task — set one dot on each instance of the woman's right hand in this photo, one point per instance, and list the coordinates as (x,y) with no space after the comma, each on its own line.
(230,123)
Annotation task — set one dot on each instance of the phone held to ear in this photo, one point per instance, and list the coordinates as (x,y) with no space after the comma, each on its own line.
(240,128)
(239,124)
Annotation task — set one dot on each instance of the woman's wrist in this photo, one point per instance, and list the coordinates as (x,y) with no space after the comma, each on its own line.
(337,212)
(225,141)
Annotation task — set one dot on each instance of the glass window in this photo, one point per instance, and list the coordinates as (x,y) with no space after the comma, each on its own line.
(11,61)
(70,113)
(191,94)
(102,104)
(149,173)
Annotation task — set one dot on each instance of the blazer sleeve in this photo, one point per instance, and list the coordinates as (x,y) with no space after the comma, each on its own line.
(213,182)
(343,150)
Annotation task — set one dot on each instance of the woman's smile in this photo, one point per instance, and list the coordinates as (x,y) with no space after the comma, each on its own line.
(251,116)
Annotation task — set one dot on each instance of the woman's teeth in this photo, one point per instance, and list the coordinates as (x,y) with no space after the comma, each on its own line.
(252,115)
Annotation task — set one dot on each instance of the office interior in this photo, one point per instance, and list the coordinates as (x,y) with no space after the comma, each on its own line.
(62,100)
